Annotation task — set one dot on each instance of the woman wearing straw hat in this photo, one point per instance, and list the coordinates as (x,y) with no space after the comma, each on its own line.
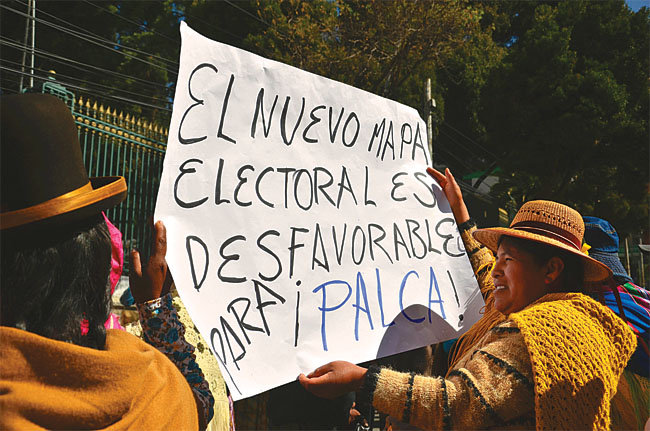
(542,356)
(56,373)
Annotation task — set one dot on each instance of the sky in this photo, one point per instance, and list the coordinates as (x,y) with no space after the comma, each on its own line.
(635,5)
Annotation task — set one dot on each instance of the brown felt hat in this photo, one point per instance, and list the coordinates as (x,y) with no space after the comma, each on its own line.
(549,223)
(44,180)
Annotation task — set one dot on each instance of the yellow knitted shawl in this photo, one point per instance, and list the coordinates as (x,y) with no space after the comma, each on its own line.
(578,349)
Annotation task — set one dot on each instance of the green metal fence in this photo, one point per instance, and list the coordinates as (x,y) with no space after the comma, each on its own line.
(117,144)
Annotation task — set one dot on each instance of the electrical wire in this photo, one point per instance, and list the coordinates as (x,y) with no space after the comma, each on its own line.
(451,138)
(247,13)
(175,40)
(97,37)
(446,123)
(455,157)
(76,64)
(261,20)
(57,27)
(108,96)
(194,18)
(83,81)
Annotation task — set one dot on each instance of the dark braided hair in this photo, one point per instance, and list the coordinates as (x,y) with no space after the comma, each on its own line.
(53,279)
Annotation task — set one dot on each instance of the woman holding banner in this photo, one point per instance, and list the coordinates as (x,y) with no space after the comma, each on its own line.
(543,355)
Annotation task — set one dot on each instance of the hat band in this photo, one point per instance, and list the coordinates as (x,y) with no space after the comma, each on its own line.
(49,208)
(548,231)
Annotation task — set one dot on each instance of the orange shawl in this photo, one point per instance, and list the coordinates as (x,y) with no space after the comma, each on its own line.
(49,384)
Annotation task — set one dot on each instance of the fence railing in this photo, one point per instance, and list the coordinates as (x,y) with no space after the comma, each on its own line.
(113,143)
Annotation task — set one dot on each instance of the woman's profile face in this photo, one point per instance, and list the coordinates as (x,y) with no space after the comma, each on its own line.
(518,278)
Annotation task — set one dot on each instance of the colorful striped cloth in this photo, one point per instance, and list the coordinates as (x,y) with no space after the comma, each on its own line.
(635,302)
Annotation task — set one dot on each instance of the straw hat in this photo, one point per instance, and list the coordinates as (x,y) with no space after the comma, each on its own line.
(549,223)
(44,181)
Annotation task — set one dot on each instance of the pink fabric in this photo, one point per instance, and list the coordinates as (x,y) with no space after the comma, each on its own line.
(117,261)
(117,253)
(113,322)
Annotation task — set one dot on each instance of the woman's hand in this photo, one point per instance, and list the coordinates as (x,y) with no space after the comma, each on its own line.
(155,280)
(334,379)
(452,191)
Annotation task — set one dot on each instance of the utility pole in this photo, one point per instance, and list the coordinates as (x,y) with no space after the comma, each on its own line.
(30,24)
(31,78)
(429,106)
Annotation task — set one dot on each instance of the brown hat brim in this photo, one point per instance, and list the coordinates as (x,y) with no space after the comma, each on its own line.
(594,271)
(99,194)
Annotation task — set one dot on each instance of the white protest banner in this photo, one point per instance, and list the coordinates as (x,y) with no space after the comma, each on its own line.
(301,225)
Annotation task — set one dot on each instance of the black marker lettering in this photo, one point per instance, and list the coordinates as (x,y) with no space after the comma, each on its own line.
(217,187)
(293,247)
(421,177)
(184,171)
(314,120)
(296,181)
(283,121)
(261,305)
(333,132)
(229,257)
(366,200)
(358,229)
(377,241)
(259,107)
(379,128)
(188,247)
(242,181)
(240,318)
(344,184)
(339,250)
(320,187)
(269,251)
(224,107)
(396,185)
(351,117)
(181,139)
(257,187)
(405,141)
(318,239)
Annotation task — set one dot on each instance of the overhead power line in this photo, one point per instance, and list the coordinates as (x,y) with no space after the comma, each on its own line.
(75,64)
(83,37)
(487,151)
(100,87)
(89,91)
(257,18)
(194,18)
(98,38)
(176,40)
(463,146)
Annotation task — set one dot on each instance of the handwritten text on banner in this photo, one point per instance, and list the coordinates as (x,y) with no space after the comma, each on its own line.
(302,227)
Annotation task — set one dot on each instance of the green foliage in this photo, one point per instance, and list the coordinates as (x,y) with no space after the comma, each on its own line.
(375,45)
(568,110)
(555,93)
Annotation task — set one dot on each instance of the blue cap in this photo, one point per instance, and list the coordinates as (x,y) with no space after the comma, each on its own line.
(600,235)
(603,239)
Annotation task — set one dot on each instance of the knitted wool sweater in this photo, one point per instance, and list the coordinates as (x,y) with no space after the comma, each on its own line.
(553,365)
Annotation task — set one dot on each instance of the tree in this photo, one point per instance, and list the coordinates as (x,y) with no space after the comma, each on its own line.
(123,52)
(568,111)
(374,45)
